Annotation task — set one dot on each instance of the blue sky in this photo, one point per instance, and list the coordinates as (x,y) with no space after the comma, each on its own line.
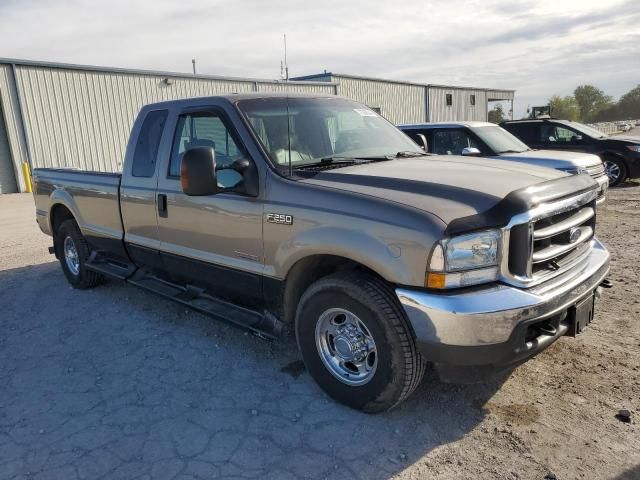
(539,48)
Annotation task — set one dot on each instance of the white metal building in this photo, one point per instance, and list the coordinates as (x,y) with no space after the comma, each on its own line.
(407,102)
(60,115)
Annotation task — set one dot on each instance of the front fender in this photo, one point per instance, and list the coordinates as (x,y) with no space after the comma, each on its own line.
(399,257)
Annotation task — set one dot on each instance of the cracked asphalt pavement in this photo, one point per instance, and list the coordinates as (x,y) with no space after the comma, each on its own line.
(118,383)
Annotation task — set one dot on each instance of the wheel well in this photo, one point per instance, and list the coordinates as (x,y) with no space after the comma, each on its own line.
(59,213)
(307,271)
(606,155)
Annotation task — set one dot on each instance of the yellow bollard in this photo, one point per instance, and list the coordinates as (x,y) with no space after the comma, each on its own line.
(27,176)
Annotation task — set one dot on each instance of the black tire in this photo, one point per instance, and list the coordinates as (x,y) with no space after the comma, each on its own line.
(616,170)
(400,367)
(84,278)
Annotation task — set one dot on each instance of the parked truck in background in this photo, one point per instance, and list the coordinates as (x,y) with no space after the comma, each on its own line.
(315,214)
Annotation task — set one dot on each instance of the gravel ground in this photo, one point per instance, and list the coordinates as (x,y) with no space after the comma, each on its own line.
(118,383)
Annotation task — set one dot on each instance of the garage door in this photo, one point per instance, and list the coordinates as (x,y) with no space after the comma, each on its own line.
(7,174)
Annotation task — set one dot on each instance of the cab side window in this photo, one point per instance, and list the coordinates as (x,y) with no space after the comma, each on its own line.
(555,134)
(207,129)
(451,142)
(146,152)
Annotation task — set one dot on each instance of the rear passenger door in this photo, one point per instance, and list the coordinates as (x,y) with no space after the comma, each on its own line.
(138,189)
(213,242)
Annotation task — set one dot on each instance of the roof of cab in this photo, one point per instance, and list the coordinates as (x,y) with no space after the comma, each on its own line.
(236,97)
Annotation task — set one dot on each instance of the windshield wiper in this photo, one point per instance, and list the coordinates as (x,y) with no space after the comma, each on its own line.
(512,151)
(410,154)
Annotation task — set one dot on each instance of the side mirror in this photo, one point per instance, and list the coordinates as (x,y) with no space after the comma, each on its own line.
(423,142)
(576,138)
(198,172)
(470,151)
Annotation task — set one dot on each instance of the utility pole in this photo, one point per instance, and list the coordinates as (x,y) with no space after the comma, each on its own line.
(286,65)
(193,62)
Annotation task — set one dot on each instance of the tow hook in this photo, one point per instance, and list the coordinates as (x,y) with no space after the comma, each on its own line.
(606,283)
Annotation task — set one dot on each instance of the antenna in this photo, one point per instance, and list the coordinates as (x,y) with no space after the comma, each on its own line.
(193,62)
(286,65)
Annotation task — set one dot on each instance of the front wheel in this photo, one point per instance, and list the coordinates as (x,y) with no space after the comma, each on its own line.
(616,170)
(356,342)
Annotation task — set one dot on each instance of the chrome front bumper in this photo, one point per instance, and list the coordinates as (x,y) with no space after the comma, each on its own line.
(485,317)
(603,187)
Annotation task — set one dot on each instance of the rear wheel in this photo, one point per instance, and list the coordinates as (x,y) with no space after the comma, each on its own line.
(616,170)
(356,342)
(73,251)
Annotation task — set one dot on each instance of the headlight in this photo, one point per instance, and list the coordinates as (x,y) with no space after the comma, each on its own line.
(634,148)
(574,170)
(464,260)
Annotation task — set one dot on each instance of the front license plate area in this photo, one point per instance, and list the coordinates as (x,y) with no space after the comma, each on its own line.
(581,315)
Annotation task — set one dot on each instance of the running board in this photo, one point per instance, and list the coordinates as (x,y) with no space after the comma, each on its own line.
(108,267)
(264,325)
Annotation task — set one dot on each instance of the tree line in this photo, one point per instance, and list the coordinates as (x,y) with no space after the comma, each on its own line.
(590,104)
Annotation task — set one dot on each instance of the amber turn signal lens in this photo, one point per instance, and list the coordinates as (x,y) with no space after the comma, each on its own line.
(436,280)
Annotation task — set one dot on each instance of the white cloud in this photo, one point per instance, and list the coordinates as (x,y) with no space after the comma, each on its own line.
(537,47)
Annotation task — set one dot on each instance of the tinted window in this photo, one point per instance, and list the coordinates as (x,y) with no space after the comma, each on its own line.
(146,152)
(526,132)
(556,134)
(206,129)
(451,142)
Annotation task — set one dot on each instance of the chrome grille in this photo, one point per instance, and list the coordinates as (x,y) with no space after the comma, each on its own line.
(596,170)
(559,238)
(548,240)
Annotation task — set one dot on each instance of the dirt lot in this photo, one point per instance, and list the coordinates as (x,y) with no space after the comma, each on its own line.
(118,383)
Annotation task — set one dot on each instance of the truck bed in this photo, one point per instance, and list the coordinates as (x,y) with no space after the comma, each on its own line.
(92,198)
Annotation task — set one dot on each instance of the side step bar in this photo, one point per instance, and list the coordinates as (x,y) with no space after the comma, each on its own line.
(109,267)
(264,324)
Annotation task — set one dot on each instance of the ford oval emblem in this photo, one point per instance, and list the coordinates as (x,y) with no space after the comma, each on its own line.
(574,234)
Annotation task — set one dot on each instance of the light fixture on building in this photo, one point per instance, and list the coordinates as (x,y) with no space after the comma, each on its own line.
(167,81)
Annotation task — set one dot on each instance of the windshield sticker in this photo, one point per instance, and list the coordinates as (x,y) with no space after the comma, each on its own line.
(365,112)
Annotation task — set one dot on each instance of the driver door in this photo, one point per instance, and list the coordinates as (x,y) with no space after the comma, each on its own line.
(213,242)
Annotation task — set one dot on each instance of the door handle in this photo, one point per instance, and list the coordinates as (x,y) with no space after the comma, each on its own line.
(162,205)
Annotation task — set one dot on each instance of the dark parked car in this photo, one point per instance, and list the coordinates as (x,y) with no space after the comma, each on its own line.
(620,154)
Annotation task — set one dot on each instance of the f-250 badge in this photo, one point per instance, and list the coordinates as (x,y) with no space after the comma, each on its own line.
(280,218)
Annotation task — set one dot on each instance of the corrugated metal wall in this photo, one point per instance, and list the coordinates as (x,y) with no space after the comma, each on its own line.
(7,175)
(79,118)
(461,108)
(398,102)
(12,130)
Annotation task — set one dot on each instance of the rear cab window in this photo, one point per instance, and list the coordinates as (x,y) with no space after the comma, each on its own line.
(148,142)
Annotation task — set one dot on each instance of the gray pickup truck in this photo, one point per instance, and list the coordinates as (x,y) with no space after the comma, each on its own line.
(316,215)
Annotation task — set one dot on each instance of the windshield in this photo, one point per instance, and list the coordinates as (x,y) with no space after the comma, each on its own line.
(499,140)
(298,132)
(587,130)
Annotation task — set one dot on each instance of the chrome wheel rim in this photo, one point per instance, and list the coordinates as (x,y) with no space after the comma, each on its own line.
(71,256)
(346,347)
(613,171)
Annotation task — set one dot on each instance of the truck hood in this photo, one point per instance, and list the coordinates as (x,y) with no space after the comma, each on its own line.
(553,158)
(449,187)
